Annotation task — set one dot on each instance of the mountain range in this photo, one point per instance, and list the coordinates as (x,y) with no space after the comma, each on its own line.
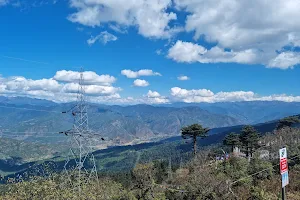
(41,120)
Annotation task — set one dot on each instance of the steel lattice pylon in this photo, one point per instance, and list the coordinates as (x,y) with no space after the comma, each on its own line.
(80,167)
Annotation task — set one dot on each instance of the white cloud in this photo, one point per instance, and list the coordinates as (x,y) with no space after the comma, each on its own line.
(19,83)
(91,89)
(154,97)
(183,78)
(61,88)
(262,26)
(189,52)
(143,72)
(191,95)
(294,39)
(186,52)
(150,17)
(153,94)
(65,91)
(89,77)
(285,60)
(140,83)
(103,37)
(118,28)
(204,95)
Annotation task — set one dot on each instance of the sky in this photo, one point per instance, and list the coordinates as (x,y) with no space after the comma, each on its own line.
(153,52)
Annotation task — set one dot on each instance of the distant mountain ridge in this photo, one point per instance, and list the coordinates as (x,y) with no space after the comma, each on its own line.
(118,124)
(131,124)
(26,101)
(249,112)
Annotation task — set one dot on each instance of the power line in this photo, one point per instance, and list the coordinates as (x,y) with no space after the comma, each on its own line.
(236,181)
(261,171)
(32,109)
(17,132)
(21,59)
(38,134)
(44,136)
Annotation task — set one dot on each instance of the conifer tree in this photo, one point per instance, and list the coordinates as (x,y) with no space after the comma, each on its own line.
(194,131)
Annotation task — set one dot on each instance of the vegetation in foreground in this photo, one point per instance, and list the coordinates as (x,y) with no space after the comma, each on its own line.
(252,174)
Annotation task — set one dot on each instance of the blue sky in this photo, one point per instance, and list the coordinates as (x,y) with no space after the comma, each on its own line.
(234,57)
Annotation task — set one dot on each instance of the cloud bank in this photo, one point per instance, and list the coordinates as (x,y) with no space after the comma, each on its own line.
(135,74)
(62,87)
(205,95)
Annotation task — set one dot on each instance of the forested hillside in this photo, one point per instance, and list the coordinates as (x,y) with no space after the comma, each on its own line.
(115,158)
(193,177)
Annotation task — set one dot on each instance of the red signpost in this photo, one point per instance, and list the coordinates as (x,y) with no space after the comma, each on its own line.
(283,165)
(283,170)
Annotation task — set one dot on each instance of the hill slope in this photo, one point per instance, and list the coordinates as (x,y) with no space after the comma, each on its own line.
(250,112)
(124,158)
(117,124)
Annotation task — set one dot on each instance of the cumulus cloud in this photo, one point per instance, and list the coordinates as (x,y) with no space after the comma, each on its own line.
(65,91)
(190,52)
(19,83)
(154,97)
(62,87)
(285,60)
(104,37)
(201,95)
(204,95)
(143,72)
(140,83)
(150,17)
(89,77)
(243,26)
(153,94)
(183,78)
(91,89)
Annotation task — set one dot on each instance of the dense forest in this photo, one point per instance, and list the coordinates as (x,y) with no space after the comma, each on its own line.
(252,172)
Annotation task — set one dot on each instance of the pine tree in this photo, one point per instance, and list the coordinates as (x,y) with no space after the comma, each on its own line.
(233,140)
(249,138)
(193,131)
(287,122)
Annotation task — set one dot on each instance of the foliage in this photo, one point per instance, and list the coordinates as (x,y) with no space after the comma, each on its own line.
(26,151)
(288,122)
(160,171)
(144,182)
(199,177)
(52,188)
(249,138)
(258,193)
(193,131)
(232,139)
(257,165)
(237,169)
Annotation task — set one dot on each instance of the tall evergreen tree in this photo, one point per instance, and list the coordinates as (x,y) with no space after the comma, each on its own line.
(233,140)
(193,131)
(249,138)
(288,122)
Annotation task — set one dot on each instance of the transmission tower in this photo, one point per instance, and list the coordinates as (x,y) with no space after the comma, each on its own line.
(80,167)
